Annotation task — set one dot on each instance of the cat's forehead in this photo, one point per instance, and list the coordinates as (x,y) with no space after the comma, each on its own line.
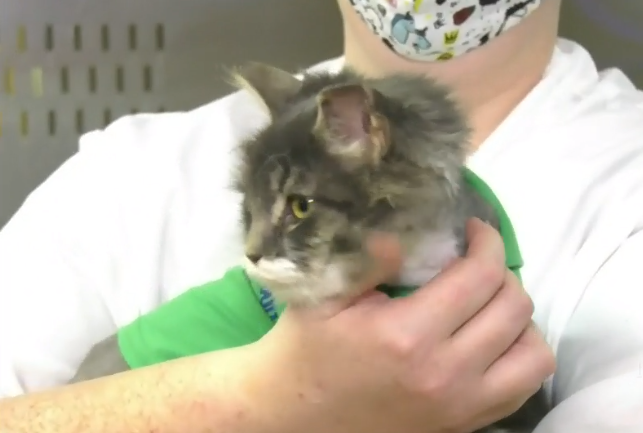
(286,149)
(287,157)
(283,174)
(296,169)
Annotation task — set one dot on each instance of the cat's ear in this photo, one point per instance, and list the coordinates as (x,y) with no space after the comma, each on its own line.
(349,125)
(272,86)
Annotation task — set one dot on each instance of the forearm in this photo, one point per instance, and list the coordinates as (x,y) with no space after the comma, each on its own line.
(207,393)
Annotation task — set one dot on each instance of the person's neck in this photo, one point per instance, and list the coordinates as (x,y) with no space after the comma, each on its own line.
(488,83)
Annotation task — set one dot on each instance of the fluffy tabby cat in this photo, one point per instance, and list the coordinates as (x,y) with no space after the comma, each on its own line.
(344,156)
(341,157)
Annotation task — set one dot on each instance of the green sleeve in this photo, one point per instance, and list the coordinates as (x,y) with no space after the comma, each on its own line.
(222,314)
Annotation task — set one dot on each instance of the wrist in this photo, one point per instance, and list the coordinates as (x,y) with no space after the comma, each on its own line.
(267,397)
(227,397)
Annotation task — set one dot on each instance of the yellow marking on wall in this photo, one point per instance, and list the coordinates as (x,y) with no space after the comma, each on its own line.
(24,124)
(21,39)
(9,81)
(37,82)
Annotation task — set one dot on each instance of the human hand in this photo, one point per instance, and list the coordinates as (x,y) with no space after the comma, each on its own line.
(454,356)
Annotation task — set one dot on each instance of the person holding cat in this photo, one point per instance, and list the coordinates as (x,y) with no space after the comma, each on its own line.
(98,245)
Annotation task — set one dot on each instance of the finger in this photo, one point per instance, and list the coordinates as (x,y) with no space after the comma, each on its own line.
(521,371)
(460,291)
(481,237)
(491,332)
(386,256)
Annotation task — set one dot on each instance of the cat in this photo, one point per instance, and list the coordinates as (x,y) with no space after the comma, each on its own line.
(343,156)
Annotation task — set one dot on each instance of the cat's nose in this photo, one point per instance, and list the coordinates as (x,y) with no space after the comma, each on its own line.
(254,258)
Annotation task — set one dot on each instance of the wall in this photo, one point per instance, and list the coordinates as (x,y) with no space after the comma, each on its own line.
(612,30)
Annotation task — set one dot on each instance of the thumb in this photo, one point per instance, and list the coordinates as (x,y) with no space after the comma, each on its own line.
(385,254)
(386,259)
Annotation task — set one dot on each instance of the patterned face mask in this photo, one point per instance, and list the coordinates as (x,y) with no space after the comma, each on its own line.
(438,30)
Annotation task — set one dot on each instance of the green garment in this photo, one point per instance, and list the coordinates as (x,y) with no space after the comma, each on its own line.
(234,311)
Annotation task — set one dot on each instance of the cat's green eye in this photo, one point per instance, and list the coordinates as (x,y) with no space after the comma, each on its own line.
(301,207)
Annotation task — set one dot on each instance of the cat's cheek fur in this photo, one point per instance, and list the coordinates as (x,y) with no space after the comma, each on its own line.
(432,253)
(290,284)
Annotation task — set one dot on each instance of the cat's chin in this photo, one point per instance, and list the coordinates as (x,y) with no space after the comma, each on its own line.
(291,285)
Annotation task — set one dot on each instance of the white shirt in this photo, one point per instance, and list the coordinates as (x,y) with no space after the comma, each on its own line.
(143,212)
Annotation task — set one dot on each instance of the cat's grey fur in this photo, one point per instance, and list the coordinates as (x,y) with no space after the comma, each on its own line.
(367,155)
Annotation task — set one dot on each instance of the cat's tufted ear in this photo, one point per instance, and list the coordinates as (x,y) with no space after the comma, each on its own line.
(272,86)
(349,125)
